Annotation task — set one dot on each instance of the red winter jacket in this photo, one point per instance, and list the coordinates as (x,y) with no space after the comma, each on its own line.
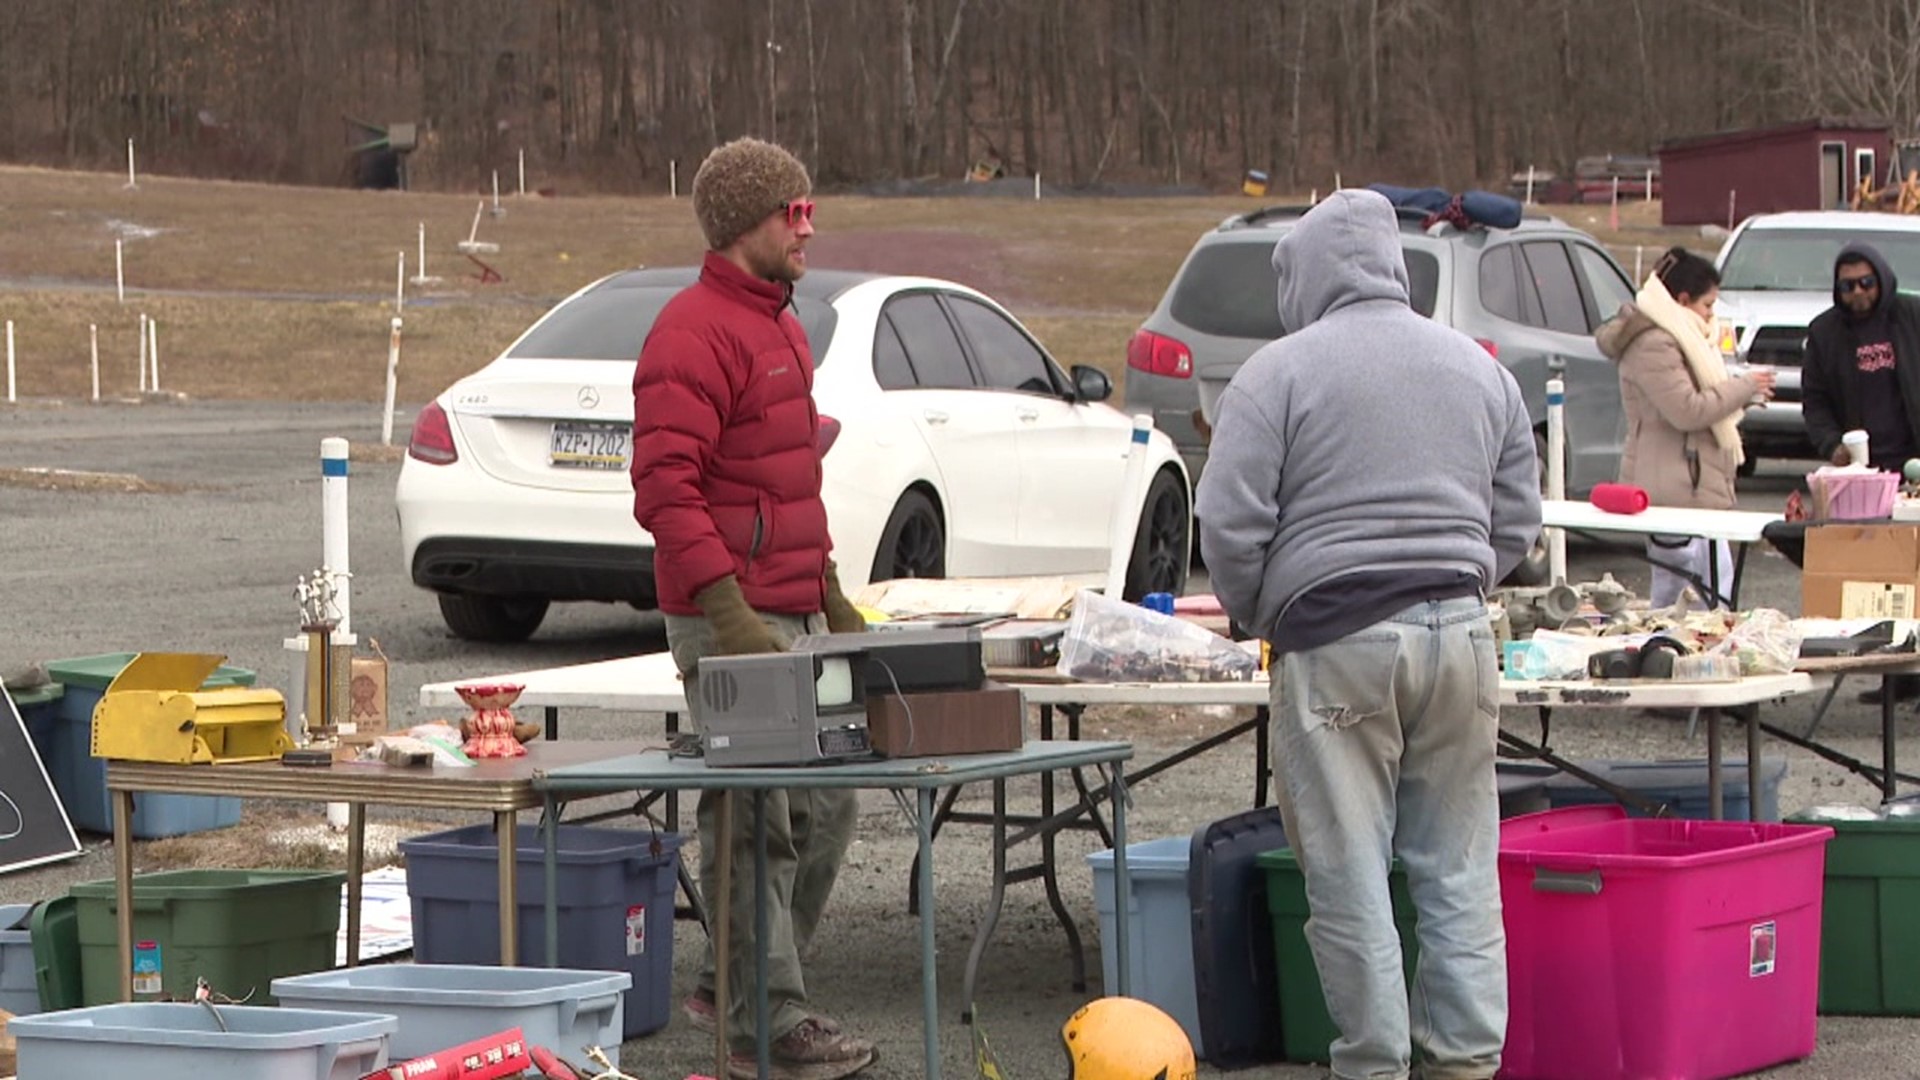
(726,465)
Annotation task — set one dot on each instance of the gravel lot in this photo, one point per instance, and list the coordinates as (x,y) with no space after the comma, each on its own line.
(211,567)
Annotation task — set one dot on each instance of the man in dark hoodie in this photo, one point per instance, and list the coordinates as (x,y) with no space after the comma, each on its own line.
(1371,475)
(1862,365)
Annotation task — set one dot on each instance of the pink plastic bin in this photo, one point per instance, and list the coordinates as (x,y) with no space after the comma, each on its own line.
(1658,948)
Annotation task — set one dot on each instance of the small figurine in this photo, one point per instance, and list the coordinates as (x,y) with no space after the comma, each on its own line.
(490,727)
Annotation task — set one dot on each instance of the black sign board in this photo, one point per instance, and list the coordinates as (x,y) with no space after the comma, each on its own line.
(33,825)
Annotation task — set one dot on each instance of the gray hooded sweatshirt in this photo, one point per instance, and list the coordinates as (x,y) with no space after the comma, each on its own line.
(1367,439)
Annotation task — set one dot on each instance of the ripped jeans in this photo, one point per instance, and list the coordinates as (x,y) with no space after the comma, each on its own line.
(1383,742)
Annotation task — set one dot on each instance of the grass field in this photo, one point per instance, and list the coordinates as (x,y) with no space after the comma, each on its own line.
(281,293)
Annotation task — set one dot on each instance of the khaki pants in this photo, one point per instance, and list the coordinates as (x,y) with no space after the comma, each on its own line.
(808,831)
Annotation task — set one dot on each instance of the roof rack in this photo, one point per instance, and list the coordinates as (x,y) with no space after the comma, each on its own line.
(1410,217)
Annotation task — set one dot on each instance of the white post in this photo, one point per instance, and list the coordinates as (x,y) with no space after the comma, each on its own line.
(1637,279)
(423,251)
(143,352)
(400,285)
(1313,199)
(393,370)
(523,170)
(119,271)
(93,337)
(673,179)
(1731,193)
(1126,516)
(333,530)
(1556,475)
(1529,185)
(496,191)
(1036,187)
(1648,193)
(153,351)
(1336,180)
(130,178)
(10,397)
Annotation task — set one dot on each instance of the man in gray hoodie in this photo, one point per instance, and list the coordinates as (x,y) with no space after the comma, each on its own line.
(1371,475)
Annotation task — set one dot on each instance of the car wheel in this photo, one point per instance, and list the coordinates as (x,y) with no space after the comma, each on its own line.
(914,543)
(492,618)
(1159,562)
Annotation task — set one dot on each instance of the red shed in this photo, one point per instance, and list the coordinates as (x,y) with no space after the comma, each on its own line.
(1806,165)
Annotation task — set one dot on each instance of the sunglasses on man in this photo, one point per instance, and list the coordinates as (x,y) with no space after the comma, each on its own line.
(1859,284)
(797,211)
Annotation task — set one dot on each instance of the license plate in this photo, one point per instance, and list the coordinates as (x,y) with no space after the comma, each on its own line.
(581,445)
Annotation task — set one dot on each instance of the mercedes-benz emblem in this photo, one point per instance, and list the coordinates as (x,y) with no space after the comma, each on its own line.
(589,397)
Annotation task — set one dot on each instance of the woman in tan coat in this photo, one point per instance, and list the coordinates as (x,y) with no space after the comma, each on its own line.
(1683,410)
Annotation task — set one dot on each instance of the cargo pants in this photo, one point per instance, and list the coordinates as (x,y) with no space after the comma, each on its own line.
(1383,743)
(808,832)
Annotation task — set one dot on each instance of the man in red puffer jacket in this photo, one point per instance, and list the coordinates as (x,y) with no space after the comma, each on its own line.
(726,476)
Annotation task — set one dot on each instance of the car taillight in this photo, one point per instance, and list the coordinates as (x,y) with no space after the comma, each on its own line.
(1159,354)
(1492,346)
(432,440)
(829,431)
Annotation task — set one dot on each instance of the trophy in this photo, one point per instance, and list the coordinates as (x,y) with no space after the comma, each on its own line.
(329,666)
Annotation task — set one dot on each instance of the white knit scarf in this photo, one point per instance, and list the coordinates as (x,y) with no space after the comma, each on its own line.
(1699,344)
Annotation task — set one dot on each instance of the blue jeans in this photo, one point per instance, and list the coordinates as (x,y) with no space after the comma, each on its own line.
(1384,746)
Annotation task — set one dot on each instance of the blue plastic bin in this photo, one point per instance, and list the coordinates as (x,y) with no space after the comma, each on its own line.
(1682,785)
(181,1041)
(80,779)
(616,905)
(1159,929)
(19,988)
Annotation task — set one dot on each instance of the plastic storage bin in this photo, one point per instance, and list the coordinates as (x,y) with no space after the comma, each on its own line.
(616,905)
(1159,929)
(239,929)
(167,1041)
(1523,787)
(81,779)
(1869,939)
(1670,948)
(445,1005)
(1681,785)
(19,992)
(1305,1028)
(1236,992)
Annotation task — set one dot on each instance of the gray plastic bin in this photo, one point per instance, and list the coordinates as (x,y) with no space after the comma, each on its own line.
(1159,928)
(443,1005)
(181,1041)
(19,991)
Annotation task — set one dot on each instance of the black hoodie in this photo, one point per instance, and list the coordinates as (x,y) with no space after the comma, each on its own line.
(1843,386)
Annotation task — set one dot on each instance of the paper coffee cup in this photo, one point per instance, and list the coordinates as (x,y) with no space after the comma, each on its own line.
(1856,443)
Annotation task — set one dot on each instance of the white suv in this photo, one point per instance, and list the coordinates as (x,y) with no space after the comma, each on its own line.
(1776,274)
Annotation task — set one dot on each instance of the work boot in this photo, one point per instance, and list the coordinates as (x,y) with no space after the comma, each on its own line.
(814,1050)
(1905,688)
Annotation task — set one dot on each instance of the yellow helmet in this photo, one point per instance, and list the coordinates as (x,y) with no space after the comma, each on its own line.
(1118,1038)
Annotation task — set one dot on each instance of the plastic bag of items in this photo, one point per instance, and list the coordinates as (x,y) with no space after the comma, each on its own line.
(1765,643)
(1110,640)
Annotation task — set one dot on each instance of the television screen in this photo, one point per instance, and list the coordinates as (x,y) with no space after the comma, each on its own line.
(833,685)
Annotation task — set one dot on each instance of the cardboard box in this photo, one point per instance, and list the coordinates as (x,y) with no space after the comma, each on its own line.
(1861,571)
(983,721)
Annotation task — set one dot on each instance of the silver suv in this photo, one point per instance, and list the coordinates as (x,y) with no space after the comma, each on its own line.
(1532,295)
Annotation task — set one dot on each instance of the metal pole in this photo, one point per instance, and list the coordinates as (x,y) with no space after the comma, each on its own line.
(929,1000)
(1556,474)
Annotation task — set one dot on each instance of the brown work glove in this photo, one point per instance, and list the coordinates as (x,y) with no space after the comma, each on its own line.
(842,616)
(737,628)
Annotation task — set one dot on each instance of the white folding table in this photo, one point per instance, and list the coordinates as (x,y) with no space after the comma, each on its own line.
(1741,528)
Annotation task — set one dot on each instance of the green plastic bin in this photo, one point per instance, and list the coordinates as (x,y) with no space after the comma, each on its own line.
(80,779)
(1306,1031)
(240,929)
(1869,936)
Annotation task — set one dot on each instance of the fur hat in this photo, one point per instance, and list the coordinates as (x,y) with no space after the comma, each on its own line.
(742,182)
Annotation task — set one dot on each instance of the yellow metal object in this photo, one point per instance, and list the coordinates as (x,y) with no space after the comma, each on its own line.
(155,711)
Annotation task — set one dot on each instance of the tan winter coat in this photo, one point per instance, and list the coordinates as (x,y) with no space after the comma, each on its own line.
(1671,449)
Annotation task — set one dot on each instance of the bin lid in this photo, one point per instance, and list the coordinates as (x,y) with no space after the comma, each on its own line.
(39,695)
(209,884)
(1673,778)
(55,938)
(1236,982)
(98,672)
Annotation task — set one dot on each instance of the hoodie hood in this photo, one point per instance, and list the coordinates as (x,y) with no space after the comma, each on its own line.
(1617,333)
(1343,251)
(1881,268)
